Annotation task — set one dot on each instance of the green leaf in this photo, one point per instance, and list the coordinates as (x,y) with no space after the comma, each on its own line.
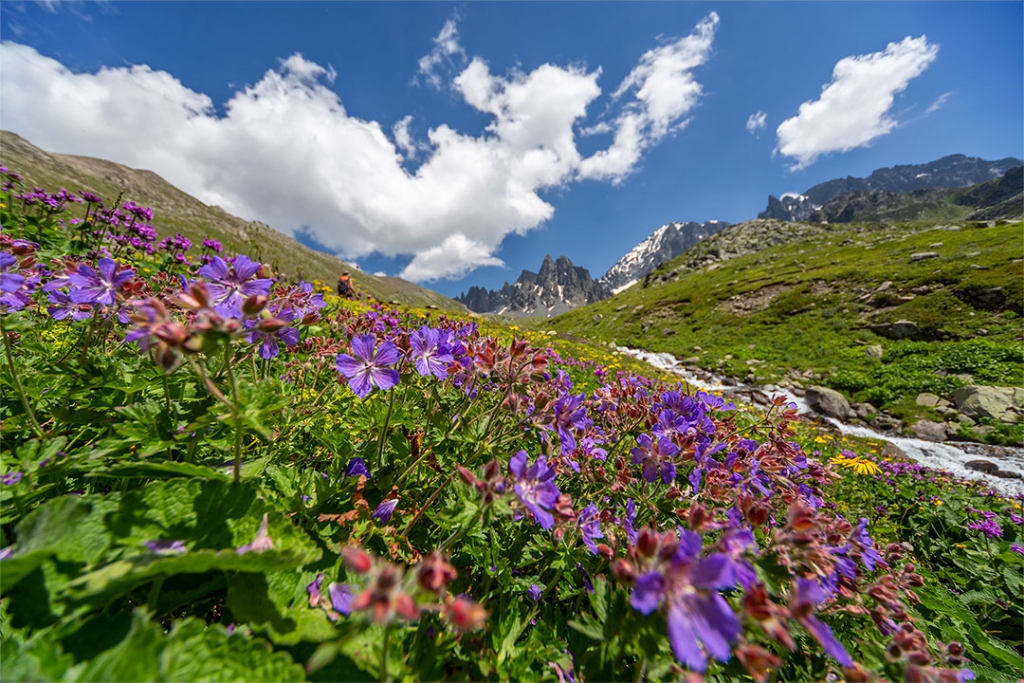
(37,660)
(157,470)
(191,652)
(277,604)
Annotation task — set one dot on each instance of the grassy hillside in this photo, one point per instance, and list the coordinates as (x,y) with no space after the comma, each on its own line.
(818,303)
(178,212)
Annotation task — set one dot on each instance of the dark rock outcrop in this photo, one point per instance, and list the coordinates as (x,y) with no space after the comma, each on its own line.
(557,287)
(954,171)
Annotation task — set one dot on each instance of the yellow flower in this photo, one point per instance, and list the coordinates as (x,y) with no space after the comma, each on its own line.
(960,545)
(857,464)
(818,439)
(936,502)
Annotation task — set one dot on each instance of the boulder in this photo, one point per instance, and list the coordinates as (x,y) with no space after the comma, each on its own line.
(929,430)
(863,410)
(927,400)
(922,255)
(981,466)
(904,329)
(874,351)
(999,403)
(827,402)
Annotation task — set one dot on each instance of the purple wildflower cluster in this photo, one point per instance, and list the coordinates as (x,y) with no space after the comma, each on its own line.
(684,520)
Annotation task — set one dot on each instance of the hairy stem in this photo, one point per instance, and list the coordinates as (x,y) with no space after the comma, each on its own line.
(17,384)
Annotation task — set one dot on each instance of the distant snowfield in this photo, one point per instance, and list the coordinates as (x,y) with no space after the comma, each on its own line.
(950,456)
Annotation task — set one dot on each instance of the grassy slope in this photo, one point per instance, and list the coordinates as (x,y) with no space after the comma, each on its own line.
(176,211)
(808,304)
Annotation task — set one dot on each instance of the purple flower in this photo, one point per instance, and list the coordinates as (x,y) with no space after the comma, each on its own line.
(368,368)
(63,307)
(989,527)
(385,510)
(629,521)
(534,592)
(162,547)
(6,552)
(355,467)
(430,351)
(267,332)
(866,545)
(698,615)
(535,487)
(341,597)
(805,599)
(91,287)
(656,456)
(569,414)
(9,280)
(590,527)
(262,541)
(230,286)
(213,245)
(1017,549)
(10,478)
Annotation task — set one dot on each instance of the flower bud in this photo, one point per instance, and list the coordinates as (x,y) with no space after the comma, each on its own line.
(254,304)
(357,559)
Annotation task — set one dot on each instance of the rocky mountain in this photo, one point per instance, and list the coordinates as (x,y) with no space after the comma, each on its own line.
(1002,197)
(178,212)
(955,170)
(559,286)
(664,244)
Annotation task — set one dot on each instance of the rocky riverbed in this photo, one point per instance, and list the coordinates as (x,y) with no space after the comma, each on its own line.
(1002,467)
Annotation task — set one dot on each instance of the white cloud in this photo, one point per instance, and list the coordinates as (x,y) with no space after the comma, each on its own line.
(853,109)
(665,92)
(756,122)
(285,151)
(938,104)
(446,49)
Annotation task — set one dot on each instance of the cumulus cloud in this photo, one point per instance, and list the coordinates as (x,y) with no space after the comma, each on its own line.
(444,53)
(853,109)
(756,122)
(665,92)
(287,152)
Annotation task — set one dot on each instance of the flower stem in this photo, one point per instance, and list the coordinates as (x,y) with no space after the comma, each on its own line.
(17,384)
(381,440)
(238,412)
(384,677)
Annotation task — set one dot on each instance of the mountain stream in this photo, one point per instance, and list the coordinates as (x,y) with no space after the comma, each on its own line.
(948,456)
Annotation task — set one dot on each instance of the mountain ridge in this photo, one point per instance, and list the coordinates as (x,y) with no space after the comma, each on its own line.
(177,211)
(951,171)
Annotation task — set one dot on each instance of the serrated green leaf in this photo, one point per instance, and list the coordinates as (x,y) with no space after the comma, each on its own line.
(277,604)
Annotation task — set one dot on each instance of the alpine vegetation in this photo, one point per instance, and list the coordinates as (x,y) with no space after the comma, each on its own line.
(209,472)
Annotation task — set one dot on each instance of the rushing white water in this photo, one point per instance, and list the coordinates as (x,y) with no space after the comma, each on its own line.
(950,457)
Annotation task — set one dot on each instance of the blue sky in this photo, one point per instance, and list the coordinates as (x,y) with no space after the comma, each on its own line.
(456,144)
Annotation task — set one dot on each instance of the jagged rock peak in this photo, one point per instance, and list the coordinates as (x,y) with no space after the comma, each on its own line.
(662,245)
(557,287)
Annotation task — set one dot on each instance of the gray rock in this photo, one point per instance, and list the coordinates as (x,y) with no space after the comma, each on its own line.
(929,431)
(1004,474)
(597,318)
(668,332)
(692,360)
(646,325)
(874,351)
(904,329)
(999,403)
(922,255)
(927,400)
(982,466)
(827,402)
(862,410)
